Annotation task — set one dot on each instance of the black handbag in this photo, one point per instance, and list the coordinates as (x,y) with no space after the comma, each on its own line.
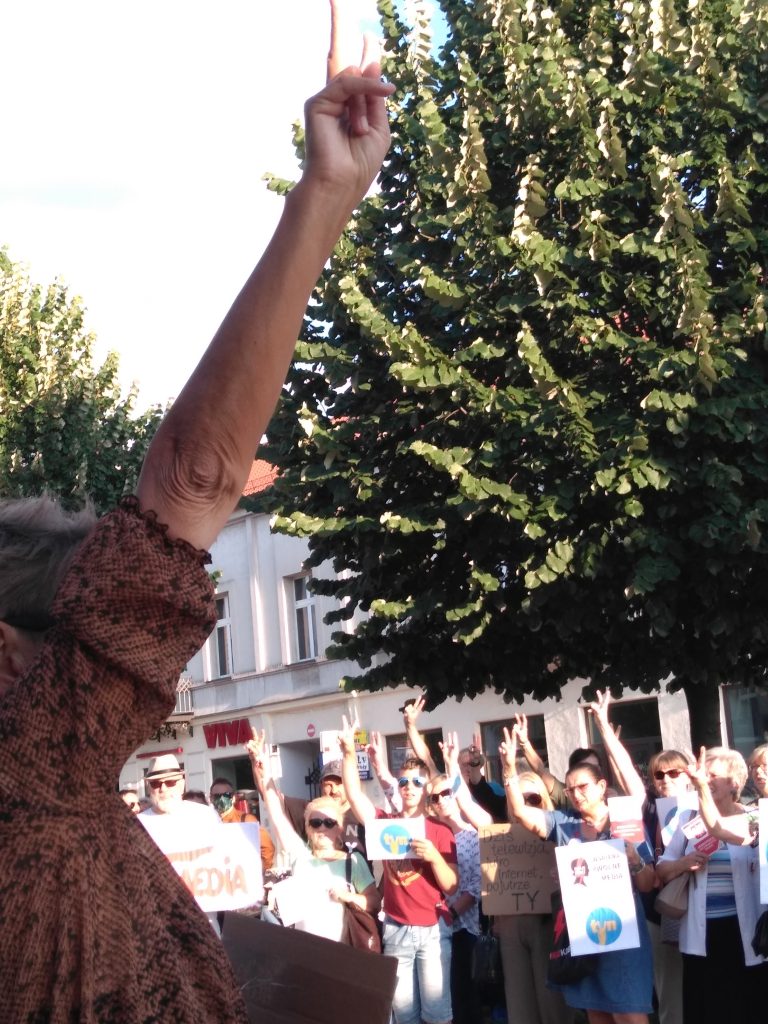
(361,929)
(760,938)
(486,960)
(563,968)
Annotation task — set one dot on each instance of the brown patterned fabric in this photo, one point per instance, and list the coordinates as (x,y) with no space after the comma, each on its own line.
(95,926)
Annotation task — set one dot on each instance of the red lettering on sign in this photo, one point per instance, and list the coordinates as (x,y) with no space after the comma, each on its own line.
(213,881)
(227,734)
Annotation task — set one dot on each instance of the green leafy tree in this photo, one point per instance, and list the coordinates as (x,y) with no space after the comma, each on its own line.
(529,415)
(64,426)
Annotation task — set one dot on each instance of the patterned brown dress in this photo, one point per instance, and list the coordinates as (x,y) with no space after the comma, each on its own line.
(95,925)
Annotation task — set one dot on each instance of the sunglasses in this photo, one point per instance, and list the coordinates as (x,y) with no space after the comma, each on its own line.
(322,823)
(416,781)
(158,783)
(673,773)
(532,799)
(228,795)
(442,795)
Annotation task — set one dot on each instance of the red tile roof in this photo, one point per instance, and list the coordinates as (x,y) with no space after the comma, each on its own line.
(261,477)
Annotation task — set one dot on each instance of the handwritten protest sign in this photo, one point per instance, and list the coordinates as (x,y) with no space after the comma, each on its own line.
(219,864)
(390,838)
(672,809)
(518,870)
(597,896)
(763,844)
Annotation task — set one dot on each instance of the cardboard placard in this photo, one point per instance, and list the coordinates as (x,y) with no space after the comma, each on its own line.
(518,870)
(292,977)
(219,864)
(597,896)
(390,838)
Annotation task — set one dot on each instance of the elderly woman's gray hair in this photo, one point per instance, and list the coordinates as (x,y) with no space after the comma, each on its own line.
(38,540)
(734,764)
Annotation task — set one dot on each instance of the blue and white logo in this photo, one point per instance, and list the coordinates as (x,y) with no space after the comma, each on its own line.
(603,926)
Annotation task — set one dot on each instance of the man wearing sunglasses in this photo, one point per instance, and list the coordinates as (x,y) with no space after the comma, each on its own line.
(232,807)
(416,931)
(165,787)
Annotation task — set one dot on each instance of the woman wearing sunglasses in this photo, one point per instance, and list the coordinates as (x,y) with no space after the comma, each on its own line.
(463,905)
(667,777)
(524,939)
(620,990)
(723,896)
(322,860)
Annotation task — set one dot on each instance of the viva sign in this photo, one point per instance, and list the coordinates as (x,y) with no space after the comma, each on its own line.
(227,734)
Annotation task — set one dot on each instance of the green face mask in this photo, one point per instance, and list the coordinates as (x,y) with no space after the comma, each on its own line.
(223,802)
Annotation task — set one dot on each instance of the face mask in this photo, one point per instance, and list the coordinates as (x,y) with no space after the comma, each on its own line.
(223,802)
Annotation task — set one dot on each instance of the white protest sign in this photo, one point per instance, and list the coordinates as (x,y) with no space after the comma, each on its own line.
(763,846)
(219,864)
(597,896)
(390,838)
(297,895)
(699,836)
(626,816)
(670,810)
(329,745)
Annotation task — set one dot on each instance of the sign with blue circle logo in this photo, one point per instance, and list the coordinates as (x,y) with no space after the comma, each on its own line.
(603,926)
(395,840)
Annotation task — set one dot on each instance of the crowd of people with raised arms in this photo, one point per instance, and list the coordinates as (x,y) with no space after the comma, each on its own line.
(685,969)
(97,620)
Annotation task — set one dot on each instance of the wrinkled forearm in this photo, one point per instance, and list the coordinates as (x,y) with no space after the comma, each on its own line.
(200,458)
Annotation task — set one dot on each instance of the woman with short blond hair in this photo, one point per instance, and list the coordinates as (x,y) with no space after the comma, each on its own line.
(723,897)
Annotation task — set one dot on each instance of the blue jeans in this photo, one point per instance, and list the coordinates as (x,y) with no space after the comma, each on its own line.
(423,955)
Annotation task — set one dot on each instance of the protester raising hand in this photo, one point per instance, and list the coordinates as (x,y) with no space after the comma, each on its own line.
(132,603)
(202,453)
(476,815)
(727,820)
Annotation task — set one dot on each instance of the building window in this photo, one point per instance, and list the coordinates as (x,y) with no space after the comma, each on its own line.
(305,622)
(398,749)
(638,727)
(221,640)
(746,712)
(491,734)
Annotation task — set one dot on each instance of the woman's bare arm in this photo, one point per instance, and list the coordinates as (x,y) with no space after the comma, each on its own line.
(200,458)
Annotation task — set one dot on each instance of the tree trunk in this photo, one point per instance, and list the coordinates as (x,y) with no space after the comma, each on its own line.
(704,714)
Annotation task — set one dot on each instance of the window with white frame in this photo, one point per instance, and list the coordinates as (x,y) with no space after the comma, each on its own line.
(221,640)
(305,623)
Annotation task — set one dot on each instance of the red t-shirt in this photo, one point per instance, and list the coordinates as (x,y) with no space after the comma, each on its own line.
(411,893)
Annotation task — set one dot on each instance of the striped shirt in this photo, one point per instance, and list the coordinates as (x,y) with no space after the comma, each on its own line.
(721,901)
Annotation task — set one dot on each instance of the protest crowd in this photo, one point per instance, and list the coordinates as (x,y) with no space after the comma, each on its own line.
(678,956)
(648,891)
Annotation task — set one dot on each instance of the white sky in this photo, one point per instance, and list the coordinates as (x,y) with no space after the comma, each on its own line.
(135,136)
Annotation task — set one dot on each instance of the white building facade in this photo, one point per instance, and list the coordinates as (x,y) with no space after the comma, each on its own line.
(264,666)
